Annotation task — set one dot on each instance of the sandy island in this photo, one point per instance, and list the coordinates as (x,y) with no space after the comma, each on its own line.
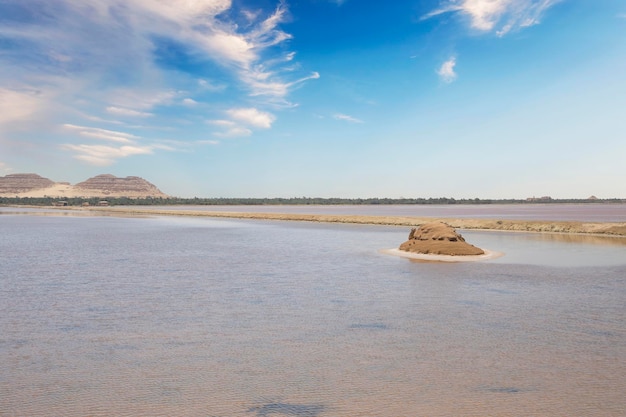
(439,242)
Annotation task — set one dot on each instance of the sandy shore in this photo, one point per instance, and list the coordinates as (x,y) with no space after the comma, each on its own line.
(443,258)
(569,227)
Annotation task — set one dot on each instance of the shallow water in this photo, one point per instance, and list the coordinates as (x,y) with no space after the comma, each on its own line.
(199,317)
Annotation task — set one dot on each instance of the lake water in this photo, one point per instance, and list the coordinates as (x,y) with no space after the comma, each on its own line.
(166,316)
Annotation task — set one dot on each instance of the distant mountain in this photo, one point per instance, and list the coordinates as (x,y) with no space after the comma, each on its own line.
(21,183)
(33,185)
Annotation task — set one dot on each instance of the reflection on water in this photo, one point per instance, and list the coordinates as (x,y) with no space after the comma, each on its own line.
(199,317)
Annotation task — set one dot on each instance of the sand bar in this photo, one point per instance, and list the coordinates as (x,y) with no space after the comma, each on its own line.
(569,227)
(614,229)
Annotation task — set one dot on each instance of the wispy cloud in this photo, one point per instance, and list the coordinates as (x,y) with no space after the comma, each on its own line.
(119,111)
(346,118)
(502,16)
(446,71)
(252,117)
(103,155)
(222,123)
(108,59)
(189,102)
(241,121)
(211,142)
(104,134)
(233,132)
(211,86)
(202,25)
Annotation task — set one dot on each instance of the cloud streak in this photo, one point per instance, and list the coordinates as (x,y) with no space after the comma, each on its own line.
(503,16)
(138,59)
(346,118)
(119,111)
(104,155)
(104,134)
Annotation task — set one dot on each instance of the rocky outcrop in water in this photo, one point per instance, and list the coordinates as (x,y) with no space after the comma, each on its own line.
(438,238)
(19,183)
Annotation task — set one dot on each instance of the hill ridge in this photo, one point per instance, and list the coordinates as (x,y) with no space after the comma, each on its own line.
(103,185)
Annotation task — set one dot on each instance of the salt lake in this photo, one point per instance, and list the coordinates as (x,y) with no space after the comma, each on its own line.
(163,316)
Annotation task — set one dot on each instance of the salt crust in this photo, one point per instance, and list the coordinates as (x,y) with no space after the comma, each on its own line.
(443,258)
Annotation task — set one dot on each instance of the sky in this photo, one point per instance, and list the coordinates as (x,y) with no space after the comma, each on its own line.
(319,98)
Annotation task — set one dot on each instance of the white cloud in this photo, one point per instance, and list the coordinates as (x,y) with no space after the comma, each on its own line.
(345,117)
(128,100)
(500,15)
(119,111)
(233,132)
(446,71)
(103,155)
(230,128)
(211,86)
(108,59)
(222,123)
(189,102)
(201,23)
(262,87)
(252,117)
(104,134)
(208,142)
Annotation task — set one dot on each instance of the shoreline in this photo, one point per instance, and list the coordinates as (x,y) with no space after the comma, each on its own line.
(428,257)
(606,229)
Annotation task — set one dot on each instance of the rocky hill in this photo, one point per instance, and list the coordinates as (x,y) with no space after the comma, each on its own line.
(129,186)
(19,183)
(33,185)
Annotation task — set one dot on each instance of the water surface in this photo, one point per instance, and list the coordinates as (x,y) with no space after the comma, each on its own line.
(170,316)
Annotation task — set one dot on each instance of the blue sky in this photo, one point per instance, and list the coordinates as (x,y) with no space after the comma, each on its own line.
(319,98)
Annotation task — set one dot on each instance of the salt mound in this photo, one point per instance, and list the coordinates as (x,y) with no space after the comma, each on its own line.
(438,238)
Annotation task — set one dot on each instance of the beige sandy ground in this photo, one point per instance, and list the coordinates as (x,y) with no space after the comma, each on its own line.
(60,190)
